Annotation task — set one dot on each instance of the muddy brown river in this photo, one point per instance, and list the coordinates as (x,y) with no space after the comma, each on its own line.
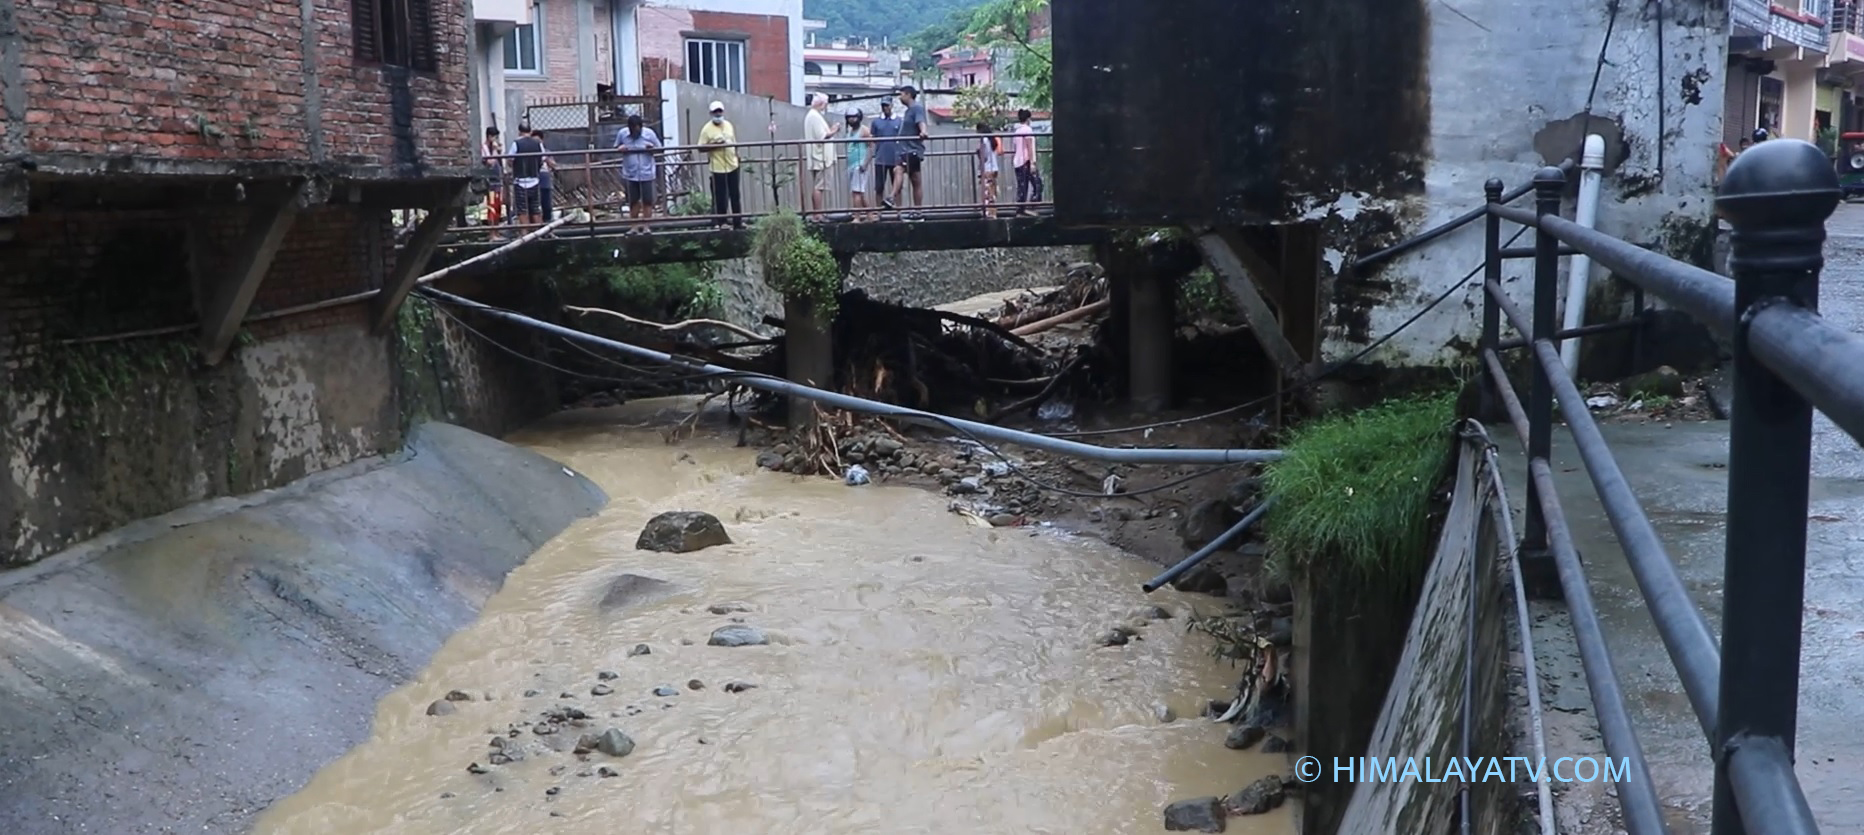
(923,675)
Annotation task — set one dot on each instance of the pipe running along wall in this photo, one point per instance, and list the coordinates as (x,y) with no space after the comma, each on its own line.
(980,431)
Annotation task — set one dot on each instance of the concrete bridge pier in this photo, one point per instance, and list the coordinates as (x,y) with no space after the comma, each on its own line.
(1150,318)
(809,346)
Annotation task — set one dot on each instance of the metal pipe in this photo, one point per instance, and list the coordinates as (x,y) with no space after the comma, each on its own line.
(1190,562)
(1686,635)
(1509,310)
(1504,517)
(1637,795)
(1579,272)
(1705,295)
(1766,790)
(1777,198)
(1823,362)
(1583,330)
(982,431)
(1549,186)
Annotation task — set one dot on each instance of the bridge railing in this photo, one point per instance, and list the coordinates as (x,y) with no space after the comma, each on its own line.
(1787,360)
(589,186)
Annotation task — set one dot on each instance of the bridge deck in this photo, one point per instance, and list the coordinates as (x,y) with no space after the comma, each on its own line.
(676,240)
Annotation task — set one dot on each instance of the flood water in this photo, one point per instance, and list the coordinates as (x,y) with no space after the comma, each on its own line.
(923,675)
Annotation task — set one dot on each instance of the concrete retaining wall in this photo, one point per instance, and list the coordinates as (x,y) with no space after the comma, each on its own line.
(182,673)
(1423,707)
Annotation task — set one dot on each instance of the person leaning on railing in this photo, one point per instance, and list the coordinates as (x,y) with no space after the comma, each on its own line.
(720,140)
(637,144)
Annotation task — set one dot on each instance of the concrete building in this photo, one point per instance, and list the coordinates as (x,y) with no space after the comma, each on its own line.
(566,52)
(1776,54)
(1443,100)
(205,189)
(844,68)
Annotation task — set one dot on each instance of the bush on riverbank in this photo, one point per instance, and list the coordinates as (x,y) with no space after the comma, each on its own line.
(1355,489)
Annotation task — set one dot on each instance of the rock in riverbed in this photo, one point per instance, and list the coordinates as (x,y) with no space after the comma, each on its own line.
(1201,814)
(1276,745)
(633,590)
(441,707)
(682,531)
(1242,737)
(614,743)
(738,635)
(1258,797)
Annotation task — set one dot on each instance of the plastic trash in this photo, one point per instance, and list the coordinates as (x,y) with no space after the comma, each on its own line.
(996,469)
(857,476)
(1055,410)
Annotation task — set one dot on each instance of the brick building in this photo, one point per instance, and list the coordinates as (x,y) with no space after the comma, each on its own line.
(209,183)
(577,50)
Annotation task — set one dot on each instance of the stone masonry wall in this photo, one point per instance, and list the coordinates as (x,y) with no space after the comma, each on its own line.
(159,78)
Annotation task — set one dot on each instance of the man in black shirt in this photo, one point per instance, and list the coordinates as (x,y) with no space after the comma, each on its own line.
(527,179)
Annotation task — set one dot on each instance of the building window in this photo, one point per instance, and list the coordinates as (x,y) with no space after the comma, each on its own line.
(397,33)
(970,79)
(716,63)
(524,46)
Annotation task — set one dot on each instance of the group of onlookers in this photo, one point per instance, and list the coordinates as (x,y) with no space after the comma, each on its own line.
(883,158)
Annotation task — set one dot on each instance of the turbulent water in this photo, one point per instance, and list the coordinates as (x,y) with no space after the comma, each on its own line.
(923,675)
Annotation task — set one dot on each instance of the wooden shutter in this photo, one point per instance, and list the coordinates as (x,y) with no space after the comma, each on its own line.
(423,39)
(367,29)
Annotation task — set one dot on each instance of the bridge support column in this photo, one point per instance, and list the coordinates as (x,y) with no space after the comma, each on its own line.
(809,347)
(1149,340)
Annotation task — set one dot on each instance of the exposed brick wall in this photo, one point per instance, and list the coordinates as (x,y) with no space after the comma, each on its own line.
(359,103)
(663,35)
(81,274)
(561,50)
(767,42)
(138,76)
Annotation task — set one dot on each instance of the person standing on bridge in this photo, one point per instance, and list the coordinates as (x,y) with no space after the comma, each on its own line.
(886,149)
(527,168)
(637,144)
(912,151)
(1028,177)
(820,153)
(860,165)
(721,141)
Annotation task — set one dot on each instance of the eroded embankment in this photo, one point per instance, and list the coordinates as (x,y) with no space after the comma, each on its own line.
(182,673)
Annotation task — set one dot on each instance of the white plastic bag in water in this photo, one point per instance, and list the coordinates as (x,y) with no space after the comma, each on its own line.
(857,476)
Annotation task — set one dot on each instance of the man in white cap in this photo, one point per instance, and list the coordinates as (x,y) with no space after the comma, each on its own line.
(721,140)
(820,153)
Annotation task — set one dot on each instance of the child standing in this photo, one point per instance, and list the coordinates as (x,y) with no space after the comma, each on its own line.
(988,149)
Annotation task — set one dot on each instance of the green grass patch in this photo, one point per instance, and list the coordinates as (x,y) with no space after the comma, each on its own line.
(1353,495)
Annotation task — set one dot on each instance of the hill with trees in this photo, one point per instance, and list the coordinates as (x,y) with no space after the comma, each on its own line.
(891,19)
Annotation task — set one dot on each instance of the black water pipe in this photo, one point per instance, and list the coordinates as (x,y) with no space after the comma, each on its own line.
(1204,553)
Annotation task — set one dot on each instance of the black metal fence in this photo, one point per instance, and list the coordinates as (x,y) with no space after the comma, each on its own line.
(1787,360)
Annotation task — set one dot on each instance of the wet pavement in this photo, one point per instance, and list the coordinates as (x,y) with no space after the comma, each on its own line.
(1679,472)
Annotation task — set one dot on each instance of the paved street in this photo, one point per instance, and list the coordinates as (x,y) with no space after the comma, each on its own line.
(1680,473)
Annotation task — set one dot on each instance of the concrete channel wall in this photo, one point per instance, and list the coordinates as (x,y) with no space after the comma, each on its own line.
(1423,707)
(182,673)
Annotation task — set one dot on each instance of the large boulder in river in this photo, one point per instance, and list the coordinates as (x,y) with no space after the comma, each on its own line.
(682,531)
